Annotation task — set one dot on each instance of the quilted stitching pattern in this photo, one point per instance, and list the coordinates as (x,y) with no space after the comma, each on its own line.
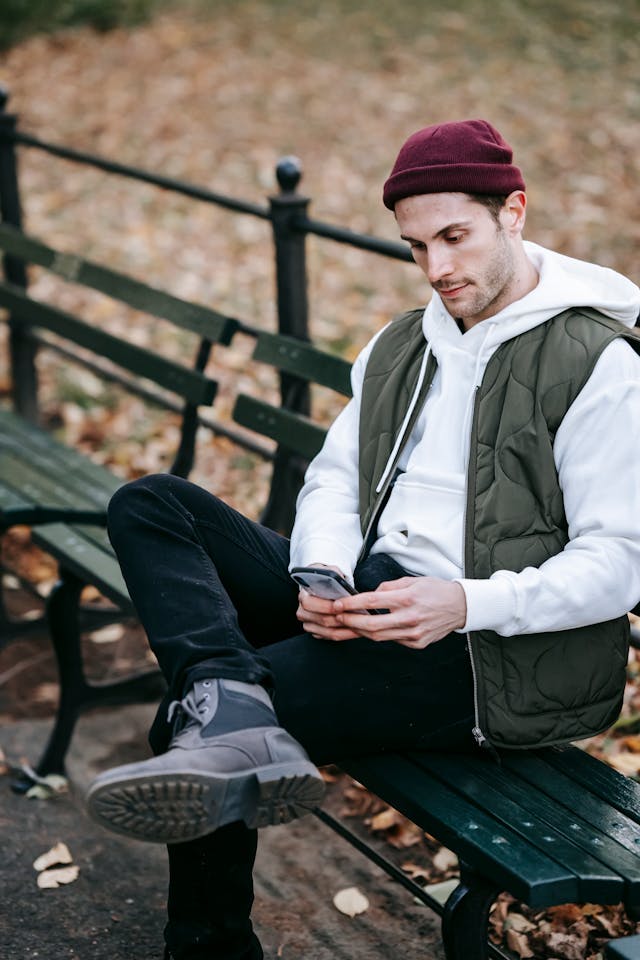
(565,685)
(539,688)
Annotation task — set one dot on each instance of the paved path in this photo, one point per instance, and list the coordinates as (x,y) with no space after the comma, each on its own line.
(115,910)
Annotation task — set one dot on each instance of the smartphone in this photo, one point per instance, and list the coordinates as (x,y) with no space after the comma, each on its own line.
(323,582)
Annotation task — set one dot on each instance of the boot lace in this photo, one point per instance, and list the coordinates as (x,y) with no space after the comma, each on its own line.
(188,710)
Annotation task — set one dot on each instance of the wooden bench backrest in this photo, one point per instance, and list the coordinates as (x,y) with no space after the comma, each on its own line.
(293,431)
(190,384)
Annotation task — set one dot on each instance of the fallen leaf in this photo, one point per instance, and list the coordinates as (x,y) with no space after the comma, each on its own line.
(47,787)
(329,775)
(50,879)
(609,928)
(567,946)
(415,871)
(385,820)
(518,923)
(441,891)
(445,860)
(400,832)
(110,634)
(565,914)
(46,692)
(406,834)
(56,855)
(519,943)
(350,901)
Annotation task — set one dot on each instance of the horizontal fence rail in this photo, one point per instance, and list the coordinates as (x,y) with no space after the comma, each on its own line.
(291,225)
(305,225)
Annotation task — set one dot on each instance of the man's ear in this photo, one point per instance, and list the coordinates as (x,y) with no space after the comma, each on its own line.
(514,212)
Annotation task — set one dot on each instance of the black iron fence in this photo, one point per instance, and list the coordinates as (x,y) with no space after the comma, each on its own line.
(287,211)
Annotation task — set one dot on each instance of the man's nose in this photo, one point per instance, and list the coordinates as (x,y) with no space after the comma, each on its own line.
(440,265)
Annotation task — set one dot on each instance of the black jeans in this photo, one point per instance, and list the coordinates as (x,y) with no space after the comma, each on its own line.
(213,592)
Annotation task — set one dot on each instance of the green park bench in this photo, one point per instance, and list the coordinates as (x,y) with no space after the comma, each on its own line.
(627,948)
(550,827)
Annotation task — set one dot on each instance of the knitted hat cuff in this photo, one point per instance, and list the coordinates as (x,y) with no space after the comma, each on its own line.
(463,157)
(481,178)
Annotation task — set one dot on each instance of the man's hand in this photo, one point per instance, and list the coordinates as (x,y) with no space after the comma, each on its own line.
(317,615)
(421,611)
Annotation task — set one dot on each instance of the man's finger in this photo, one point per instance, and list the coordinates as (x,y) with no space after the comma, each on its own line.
(315,604)
(362,601)
(329,633)
(398,584)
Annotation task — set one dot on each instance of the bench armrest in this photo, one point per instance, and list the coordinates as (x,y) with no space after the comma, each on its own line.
(37,516)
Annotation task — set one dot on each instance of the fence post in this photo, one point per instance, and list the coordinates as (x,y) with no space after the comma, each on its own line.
(22,346)
(291,291)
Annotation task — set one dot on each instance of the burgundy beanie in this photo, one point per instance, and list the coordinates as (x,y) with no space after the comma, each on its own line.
(468,156)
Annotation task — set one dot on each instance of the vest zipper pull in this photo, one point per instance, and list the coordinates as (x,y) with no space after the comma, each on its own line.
(479,736)
(485,744)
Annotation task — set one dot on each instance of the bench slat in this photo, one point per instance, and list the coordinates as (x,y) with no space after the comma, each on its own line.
(563,789)
(26,439)
(546,824)
(85,559)
(495,850)
(627,948)
(291,430)
(189,316)
(50,489)
(615,837)
(47,475)
(608,784)
(304,360)
(190,384)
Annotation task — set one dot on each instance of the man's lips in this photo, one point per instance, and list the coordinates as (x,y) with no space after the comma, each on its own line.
(451,292)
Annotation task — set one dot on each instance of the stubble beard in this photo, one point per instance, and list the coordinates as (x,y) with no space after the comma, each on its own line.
(491,292)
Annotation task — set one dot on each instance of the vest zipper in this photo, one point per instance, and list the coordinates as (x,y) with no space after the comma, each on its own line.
(477,731)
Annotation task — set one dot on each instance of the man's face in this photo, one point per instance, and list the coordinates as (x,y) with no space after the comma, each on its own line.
(467,256)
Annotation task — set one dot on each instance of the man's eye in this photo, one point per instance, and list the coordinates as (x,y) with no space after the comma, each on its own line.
(454,238)
(417,245)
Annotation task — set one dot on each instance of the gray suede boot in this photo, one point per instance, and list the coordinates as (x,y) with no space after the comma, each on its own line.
(228,760)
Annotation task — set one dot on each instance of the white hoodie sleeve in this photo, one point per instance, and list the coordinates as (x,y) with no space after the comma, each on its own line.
(327,526)
(597,575)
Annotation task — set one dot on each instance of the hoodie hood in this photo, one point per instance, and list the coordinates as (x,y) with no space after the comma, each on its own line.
(564,282)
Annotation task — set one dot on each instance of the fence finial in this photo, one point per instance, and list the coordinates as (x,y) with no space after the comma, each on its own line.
(288,173)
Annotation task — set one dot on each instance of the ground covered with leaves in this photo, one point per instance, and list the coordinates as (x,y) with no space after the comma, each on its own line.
(214,93)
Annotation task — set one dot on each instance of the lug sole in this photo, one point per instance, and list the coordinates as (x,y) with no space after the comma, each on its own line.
(183,805)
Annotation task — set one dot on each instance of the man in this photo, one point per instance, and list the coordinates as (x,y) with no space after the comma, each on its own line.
(481,489)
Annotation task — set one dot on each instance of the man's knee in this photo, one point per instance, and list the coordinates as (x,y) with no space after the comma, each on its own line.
(133,499)
(160,497)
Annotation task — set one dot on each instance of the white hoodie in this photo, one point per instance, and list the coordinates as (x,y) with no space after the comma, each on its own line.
(596,451)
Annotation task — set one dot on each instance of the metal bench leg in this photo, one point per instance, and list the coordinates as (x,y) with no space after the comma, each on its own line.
(63,617)
(466,916)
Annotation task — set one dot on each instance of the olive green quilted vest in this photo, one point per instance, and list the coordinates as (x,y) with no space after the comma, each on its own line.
(535,689)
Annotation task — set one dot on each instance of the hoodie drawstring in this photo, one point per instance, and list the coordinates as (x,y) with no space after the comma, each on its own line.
(407,418)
